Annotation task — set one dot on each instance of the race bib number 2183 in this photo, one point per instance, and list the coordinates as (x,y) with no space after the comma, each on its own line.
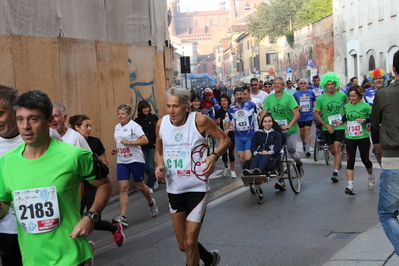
(37,209)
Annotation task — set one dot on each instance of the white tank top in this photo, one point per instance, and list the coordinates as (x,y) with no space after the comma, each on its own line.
(184,148)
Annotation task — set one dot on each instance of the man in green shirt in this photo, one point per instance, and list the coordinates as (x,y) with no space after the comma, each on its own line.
(331,105)
(284,110)
(46,190)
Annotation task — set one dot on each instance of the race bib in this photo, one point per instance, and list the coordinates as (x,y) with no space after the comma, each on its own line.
(124,151)
(334,119)
(354,128)
(37,209)
(242,123)
(305,105)
(283,122)
(178,163)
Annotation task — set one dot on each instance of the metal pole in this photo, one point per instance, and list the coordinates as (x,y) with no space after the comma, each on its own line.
(185,74)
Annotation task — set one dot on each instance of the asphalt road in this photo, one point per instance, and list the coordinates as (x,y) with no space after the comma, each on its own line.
(287,229)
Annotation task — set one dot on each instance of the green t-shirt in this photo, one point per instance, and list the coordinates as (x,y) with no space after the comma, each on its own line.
(57,176)
(281,109)
(332,108)
(355,130)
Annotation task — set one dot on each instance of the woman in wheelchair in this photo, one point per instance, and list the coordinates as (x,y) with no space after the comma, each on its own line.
(266,145)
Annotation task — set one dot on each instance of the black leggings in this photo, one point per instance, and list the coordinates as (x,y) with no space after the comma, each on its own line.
(364,149)
(231,149)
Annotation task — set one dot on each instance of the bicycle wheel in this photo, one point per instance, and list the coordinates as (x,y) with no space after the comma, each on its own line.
(327,155)
(293,177)
(259,195)
(316,150)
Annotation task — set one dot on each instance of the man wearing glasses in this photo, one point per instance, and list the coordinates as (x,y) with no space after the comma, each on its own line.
(268,88)
(291,90)
(256,93)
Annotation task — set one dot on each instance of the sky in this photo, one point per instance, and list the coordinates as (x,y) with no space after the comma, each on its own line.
(198,5)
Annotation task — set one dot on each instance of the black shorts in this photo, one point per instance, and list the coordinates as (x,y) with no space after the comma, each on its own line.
(338,135)
(303,124)
(193,203)
(375,135)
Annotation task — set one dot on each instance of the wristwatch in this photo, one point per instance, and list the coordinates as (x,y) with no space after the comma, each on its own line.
(92,215)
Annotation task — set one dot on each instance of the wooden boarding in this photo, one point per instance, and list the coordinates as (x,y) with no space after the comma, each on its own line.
(7,77)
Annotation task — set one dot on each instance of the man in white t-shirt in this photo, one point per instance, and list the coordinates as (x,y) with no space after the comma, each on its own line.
(67,134)
(257,93)
(9,139)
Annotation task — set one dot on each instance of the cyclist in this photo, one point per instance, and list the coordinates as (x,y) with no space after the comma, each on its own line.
(209,103)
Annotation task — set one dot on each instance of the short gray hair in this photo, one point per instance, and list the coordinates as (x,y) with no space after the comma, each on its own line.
(303,80)
(62,108)
(182,93)
(125,107)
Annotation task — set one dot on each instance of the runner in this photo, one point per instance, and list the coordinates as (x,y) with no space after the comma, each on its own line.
(180,158)
(331,105)
(221,114)
(315,87)
(244,115)
(357,136)
(257,93)
(306,100)
(284,110)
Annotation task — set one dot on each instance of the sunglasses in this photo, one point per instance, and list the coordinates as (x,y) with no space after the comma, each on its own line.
(303,83)
(254,85)
(268,86)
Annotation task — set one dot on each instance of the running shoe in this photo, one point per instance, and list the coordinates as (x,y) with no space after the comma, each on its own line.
(156,185)
(280,185)
(120,219)
(304,146)
(216,257)
(119,236)
(371,182)
(247,172)
(225,171)
(257,171)
(308,154)
(151,191)
(153,208)
(335,177)
(299,166)
(92,245)
(350,190)
(233,174)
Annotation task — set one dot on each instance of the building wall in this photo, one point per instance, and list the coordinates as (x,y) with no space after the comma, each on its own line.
(364,30)
(89,77)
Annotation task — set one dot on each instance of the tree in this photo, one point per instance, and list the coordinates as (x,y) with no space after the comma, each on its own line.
(314,10)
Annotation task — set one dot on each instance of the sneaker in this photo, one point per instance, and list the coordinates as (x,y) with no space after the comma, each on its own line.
(350,190)
(153,208)
(371,182)
(280,185)
(257,171)
(233,175)
(120,219)
(299,166)
(335,177)
(247,172)
(216,257)
(151,191)
(308,154)
(156,185)
(225,171)
(92,245)
(119,236)
(304,146)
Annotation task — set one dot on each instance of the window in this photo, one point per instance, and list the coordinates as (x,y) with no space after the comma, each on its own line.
(371,63)
(270,58)
(204,67)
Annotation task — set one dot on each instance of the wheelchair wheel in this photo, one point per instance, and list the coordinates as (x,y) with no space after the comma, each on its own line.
(211,144)
(251,188)
(259,195)
(293,177)
(316,150)
(327,155)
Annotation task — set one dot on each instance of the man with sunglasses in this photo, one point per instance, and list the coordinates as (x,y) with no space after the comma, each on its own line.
(268,88)
(291,90)
(256,93)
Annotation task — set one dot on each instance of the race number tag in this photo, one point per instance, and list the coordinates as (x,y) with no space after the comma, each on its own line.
(178,162)
(354,128)
(242,123)
(37,209)
(124,152)
(305,105)
(334,119)
(281,123)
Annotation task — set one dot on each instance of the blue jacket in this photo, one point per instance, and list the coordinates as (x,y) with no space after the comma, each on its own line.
(262,141)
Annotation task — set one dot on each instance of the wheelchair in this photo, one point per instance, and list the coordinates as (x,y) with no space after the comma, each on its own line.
(320,145)
(280,167)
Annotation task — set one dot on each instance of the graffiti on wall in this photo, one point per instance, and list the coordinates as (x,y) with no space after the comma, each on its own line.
(135,86)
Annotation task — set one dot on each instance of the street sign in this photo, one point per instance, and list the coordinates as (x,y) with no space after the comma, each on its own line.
(257,72)
(308,61)
(313,64)
(288,70)
(271,72)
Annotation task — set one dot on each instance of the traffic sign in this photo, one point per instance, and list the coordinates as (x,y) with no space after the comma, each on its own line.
(288,70)
(308,61)
(313,64)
